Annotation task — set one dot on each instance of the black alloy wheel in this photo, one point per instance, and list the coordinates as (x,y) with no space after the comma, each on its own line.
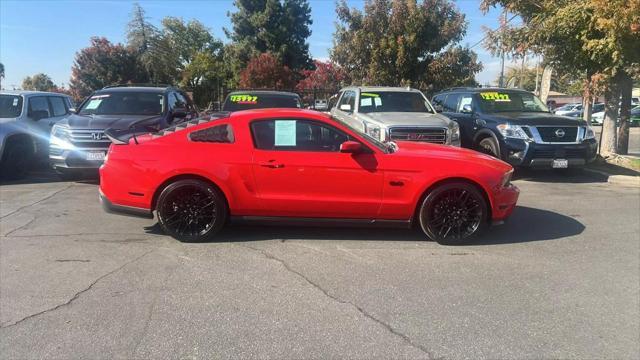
(453,213)
(191,210)
(17,160)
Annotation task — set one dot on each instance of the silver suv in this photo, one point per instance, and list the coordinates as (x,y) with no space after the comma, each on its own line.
(393,113)
(26,118)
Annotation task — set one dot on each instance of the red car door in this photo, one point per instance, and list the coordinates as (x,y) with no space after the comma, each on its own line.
(300,172)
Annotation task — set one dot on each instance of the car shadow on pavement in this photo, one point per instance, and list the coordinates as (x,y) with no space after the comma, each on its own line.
(525,225)
(569,176)
(42,174)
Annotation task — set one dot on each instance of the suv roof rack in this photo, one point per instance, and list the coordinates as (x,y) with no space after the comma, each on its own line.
(138,85)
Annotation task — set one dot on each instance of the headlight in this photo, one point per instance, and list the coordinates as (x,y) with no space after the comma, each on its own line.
(455,131)
(588,133)
(373,130)
(60,137)
(512,131)
(506,178)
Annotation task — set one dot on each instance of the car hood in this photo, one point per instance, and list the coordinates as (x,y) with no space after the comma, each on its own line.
(103,121)
(535,119)
(408,118)
(452,153)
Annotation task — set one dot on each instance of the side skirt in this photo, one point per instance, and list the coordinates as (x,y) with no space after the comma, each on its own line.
(320,222)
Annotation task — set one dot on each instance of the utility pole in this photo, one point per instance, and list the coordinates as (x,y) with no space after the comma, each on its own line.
(503,25)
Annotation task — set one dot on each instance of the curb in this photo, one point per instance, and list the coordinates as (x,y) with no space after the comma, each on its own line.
(626,180)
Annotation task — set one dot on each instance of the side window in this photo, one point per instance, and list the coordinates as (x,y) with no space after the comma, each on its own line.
(349,98)
(182,101)
(172,100)
(465,99)
(438,100)
(296,135)
(39,107)
(451,102)
(215,134)
(57,105)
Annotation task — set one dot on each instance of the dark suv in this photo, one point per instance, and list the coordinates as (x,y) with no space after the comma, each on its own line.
(78,141)
(515,126)
(260,99)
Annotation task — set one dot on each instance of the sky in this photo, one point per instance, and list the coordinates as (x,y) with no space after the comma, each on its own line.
(43,36)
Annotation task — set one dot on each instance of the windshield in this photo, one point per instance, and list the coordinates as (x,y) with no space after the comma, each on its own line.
(392,101)
(124,103)
(238,102)
(10,106)
(506,101)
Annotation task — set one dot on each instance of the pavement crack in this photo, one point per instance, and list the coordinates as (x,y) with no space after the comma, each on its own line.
(37,202)
(361,310)
(78,294)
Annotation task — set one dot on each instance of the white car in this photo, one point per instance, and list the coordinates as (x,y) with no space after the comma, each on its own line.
(568,108)
(26,118)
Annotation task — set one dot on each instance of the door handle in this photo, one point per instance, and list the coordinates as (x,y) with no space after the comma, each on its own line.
(272,164)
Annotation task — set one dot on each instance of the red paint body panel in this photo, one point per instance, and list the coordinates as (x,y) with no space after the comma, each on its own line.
(374,185)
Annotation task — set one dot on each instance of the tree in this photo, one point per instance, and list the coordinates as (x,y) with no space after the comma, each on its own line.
(1,74)
(326,75)
(403,42)
(279,27)
(143,40)
(597,38)
(102,64)
(38,82)
(265,71)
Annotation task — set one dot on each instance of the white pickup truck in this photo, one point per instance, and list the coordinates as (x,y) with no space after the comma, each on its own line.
(393,113)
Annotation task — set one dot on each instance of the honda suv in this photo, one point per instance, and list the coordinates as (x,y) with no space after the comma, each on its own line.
(78,141)
(515,126)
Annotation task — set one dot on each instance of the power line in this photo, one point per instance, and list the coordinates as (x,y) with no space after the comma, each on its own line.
(499,28)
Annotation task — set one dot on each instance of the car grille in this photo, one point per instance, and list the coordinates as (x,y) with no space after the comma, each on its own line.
(559,153)
(89,139)
(550,133)
(431,135)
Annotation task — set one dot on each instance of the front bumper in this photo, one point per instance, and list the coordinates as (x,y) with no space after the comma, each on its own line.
(112,208)
(521,153)
(73,159)
(504,201)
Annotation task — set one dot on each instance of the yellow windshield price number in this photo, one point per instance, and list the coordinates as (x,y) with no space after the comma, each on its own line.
(369,94)
(244,99)
(495,96)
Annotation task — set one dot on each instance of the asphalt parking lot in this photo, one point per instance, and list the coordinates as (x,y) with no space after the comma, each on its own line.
(561,279)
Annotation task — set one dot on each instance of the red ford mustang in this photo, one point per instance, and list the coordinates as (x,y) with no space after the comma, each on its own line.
(300,166)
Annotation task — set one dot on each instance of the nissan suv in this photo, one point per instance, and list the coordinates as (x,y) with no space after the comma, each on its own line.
(26,118)
(515,126)
(78,142)
(394,113)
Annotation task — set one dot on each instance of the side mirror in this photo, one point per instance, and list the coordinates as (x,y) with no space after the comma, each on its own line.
(466,109)
(352,147)
(179,113)
(345,107)
(72,110)
(438,108)
(39,114)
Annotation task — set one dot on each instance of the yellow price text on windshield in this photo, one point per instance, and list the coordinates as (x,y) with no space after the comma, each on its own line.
(495,96)
(369,94)
(244,99)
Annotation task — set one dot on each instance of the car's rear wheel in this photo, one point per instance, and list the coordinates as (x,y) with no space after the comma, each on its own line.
(17,159)
(489,146)
(453,213)
(191,210)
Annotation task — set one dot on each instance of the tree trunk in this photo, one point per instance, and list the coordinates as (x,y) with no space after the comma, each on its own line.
(609,134)
(626,88)
(587,98)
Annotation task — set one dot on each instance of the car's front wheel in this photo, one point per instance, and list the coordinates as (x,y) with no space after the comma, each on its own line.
(191,210)
(453,213)
(489,146)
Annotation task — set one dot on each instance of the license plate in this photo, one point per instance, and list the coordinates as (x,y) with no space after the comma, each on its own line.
(560,163)
(96,155)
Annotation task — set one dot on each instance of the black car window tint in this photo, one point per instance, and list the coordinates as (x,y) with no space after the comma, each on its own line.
(57,104)
(451,102)
(39,104)
(296,135)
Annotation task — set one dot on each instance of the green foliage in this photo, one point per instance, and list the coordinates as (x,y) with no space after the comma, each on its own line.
(403,42)
(38,82)
(102,64)
(275,26)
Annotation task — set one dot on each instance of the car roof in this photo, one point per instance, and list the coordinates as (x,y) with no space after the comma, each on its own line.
(30,93)
(380,88)
(142,89)
(483,89)
(264,92)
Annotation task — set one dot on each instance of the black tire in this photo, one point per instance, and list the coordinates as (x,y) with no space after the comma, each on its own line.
(17,159)
(453,213)
(191,210)
(489,146)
